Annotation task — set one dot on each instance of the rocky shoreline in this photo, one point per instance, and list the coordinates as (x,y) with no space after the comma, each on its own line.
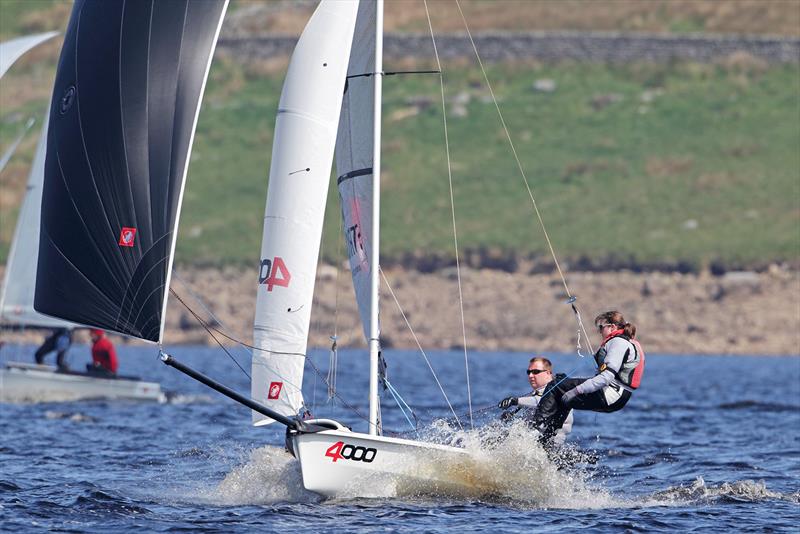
(740,312)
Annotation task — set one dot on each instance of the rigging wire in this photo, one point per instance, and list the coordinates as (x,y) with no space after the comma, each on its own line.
(403,405)
(209,328)
(333,362)
(421,350)
(524,177)
(453,214)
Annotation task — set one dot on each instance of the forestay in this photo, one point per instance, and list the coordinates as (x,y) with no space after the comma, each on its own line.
(302,155)
(354,157)
(127,94)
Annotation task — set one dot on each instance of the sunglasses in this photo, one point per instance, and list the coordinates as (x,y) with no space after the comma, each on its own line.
(536,371)
(601,326)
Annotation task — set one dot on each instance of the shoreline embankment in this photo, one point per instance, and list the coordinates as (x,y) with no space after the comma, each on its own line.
(739,312)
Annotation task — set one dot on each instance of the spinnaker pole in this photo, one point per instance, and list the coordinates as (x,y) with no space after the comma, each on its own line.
(250,403)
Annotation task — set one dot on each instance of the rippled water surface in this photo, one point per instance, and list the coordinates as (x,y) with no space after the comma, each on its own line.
(708,443)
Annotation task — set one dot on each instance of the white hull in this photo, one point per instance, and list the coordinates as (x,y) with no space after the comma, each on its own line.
(23,382)
(342,463)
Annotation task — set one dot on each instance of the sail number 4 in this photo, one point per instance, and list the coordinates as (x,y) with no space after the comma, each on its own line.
(274,273)
(344,451)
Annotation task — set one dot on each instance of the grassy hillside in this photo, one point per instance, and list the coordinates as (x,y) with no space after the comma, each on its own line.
(684,162)
(652,164)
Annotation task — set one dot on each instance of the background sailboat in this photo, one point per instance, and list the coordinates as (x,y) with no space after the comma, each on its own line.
(125,104)
(16,301)
(21,381)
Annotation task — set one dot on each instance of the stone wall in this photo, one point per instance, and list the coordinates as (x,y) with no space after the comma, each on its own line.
(552,46)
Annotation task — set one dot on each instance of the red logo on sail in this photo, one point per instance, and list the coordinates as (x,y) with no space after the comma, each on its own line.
(274,390)
(126,236)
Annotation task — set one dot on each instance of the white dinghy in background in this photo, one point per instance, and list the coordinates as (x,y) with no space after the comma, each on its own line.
(28,382)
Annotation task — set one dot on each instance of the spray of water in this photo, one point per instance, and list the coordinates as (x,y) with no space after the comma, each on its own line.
(505,464)
(270,475)
(738,491)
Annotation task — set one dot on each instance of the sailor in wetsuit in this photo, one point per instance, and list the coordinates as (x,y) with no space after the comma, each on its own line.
(620,365)
(540,376)
(59,341)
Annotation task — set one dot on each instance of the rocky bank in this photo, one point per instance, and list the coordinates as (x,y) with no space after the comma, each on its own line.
(736,313)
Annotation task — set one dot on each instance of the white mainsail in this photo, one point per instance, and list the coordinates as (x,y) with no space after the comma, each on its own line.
(302,155)
(16,303)
(354,158)
(10,51)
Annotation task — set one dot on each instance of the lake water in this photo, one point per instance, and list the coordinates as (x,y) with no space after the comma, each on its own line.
(707,443)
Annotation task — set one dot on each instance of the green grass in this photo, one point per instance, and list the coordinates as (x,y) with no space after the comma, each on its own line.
(716,146)
(713,146)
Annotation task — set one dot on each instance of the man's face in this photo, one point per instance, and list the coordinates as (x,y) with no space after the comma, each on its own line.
(538,376)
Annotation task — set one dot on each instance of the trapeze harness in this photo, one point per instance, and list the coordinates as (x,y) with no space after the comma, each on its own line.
(628,377)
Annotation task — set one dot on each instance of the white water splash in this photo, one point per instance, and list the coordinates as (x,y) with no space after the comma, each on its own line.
(179,398)
(507,463)
(270,475)
(76,417)
(741,490)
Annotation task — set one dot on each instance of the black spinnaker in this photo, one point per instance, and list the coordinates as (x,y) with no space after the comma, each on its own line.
(127,93)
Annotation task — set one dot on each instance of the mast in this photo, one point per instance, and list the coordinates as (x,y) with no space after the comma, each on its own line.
(374,331)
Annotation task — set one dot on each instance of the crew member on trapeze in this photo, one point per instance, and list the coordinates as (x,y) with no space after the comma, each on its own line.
(541,379)
(620,365)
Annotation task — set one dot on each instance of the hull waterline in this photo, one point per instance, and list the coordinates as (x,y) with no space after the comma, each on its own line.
(339,463)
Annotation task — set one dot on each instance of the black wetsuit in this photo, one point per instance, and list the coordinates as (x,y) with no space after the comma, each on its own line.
(550,415)
(60,341)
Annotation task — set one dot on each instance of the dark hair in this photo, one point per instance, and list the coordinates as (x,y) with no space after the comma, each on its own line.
(616,318)
(544,361)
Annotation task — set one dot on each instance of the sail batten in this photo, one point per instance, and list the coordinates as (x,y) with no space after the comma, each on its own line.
(302,157)
(123,115)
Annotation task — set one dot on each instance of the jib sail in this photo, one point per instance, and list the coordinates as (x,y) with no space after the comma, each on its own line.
(302,156)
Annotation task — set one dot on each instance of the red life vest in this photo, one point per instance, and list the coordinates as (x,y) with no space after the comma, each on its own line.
(632,369)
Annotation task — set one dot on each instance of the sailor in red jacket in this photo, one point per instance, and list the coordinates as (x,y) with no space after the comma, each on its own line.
(104,356)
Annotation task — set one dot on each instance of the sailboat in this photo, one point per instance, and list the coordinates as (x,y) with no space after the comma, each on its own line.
(22,381)
(112,198)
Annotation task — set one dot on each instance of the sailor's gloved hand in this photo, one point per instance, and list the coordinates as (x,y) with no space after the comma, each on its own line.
(508,402)
(569,396)
(506,417)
